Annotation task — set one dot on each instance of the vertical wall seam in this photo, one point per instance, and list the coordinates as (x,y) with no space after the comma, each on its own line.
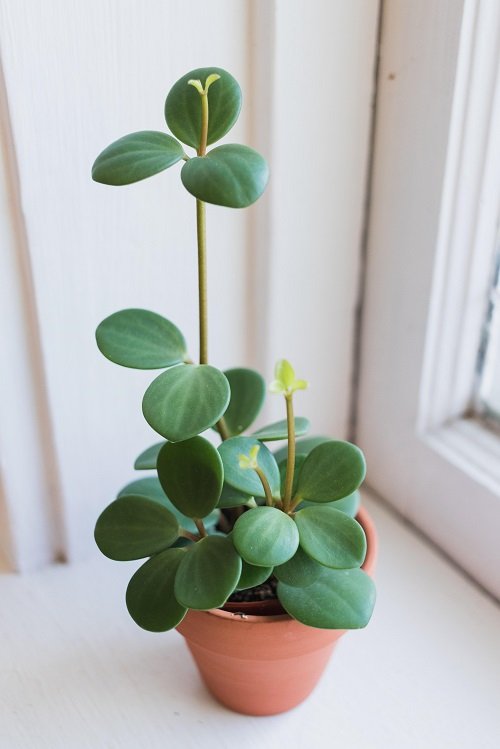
(42,419)
(357,361)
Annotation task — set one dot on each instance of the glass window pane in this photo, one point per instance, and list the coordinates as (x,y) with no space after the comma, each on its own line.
(487,396)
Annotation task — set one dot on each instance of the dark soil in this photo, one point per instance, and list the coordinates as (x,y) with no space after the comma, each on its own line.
(264,592)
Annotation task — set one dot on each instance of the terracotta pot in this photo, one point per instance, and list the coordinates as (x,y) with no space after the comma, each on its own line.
(263,663)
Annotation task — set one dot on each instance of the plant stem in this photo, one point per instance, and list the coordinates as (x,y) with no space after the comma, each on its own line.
(204,125)
(290,463)
(222,429)
(223,523)
(201,528)
(265,483)
(202,279)
(201,233)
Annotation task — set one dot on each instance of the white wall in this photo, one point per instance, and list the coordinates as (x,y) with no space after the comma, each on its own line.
(78,75)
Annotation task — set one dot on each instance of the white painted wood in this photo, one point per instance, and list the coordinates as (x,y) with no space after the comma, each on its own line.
(30,520)
(426,110)
(79,74)
(466,244)
(323,84)
(424,673)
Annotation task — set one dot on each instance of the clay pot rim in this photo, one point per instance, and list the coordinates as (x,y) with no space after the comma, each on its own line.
(368,566)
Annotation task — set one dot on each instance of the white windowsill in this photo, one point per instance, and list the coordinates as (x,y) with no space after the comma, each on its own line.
(76,673)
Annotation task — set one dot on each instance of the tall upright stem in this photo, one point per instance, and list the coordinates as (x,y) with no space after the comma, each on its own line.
(290,463)
(202,280)
(204,125)
(201,233)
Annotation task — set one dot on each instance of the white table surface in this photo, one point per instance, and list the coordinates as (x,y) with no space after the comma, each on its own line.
(77,673)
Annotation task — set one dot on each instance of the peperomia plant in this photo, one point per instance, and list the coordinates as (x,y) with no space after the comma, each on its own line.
(213,521)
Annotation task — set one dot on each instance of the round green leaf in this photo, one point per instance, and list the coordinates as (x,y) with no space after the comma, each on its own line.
(248,391)
(231,497)
(134,527)
(150,593)
(338,599)
(302,446)
(299,571)
(181,542)
(208,574)
(183,106)
(252,576)
(331,471)
(140,339)
(349,505)
(232,175)
(185,400)
(279,430)
(135,157)
(247,480)
(331,537)
(191,474)
(150,487)
(146,487)
(265,536)
(147,459)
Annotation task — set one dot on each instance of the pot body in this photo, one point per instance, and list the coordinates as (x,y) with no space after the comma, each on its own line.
(263,664)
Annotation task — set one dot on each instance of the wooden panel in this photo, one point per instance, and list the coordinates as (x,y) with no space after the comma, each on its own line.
(30,519)
(322,94)
(79,75)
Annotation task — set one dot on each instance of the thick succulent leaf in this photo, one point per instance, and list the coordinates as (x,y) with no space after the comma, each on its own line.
(248,390)
(251,576)
(185,400)
(331,537)
(303,446)
(299,460)
(337,599)
(140,339)
(246,480)
(279,430)
(231,497)
(232,175)
(134,527)
(147,459)
(191,474)
(150,487)
(135,157)
(349,505)
(331,471)
(182,542)
(265,536)
(208,574)
(150,593)
(183,106)
(299,571)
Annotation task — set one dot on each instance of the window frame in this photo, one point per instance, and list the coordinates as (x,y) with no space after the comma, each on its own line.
(433,217)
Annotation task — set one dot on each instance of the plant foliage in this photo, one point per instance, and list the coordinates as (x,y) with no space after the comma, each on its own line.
(213,520)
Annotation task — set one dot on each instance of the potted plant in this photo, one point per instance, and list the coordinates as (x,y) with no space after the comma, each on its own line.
(254,556)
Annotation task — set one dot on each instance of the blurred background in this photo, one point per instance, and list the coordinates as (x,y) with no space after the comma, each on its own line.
(370,261)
